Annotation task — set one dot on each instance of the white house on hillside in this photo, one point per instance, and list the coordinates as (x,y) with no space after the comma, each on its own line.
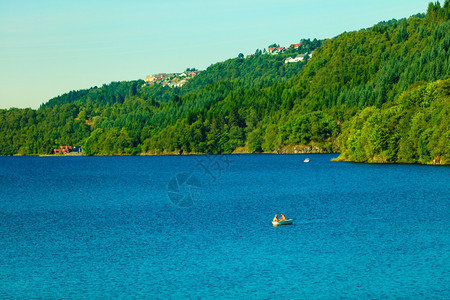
(298,58)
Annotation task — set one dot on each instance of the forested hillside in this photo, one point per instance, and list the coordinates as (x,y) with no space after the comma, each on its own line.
(259,103)
(413,128)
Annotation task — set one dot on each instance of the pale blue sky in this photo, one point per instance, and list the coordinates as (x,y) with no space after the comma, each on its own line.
(50,47)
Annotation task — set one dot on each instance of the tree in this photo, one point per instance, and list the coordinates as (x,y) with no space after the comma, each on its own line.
(82,115)
(255,141)
(270,138)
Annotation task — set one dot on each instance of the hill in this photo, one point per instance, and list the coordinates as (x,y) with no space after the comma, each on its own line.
(415,128)
(254,104)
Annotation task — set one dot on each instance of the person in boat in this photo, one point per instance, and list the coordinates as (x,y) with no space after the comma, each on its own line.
(275,219)
(283,218)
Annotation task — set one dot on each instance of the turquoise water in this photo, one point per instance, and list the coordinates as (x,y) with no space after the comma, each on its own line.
(200,227)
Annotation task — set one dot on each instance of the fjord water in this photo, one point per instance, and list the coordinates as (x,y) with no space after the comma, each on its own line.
(84,227)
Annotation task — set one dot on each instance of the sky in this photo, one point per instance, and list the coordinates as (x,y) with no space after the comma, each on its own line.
(48,47)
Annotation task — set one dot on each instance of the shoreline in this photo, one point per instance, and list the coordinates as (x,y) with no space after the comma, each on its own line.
(54,155)
(170,154)
(285,150)
(337,159)
(383,162)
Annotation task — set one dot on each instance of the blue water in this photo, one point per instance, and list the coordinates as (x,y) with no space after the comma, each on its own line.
(90,227)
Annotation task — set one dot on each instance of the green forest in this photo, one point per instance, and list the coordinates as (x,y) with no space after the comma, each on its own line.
(380,94)
(412,129)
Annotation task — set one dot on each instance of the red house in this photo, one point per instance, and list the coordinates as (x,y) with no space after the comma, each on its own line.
(63,150)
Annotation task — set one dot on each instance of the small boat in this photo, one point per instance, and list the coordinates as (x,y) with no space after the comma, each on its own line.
(284,222)
(306,160)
